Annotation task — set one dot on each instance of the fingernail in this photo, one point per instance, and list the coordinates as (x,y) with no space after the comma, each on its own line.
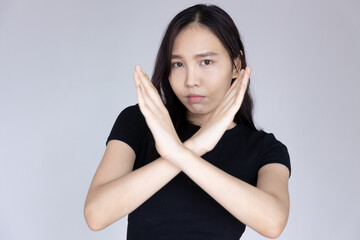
(248,69)
(136,74)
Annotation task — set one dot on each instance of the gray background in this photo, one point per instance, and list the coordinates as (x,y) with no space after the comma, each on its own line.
(66,73)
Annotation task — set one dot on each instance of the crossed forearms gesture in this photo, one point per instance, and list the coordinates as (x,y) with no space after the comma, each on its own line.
(158,119)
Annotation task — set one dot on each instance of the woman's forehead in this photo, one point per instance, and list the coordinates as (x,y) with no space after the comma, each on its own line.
(195,40)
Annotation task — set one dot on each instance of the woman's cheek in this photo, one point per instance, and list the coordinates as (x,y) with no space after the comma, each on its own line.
(175,84)
(213,74)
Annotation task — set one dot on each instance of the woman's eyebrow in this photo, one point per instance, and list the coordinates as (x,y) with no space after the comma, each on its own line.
(200,55)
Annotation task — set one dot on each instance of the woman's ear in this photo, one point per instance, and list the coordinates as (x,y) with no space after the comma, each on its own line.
(237,68)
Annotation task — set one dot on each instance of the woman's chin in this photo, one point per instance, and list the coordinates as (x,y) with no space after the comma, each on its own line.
(197,110)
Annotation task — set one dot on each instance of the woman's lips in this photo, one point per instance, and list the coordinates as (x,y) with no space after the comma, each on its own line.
(195,98)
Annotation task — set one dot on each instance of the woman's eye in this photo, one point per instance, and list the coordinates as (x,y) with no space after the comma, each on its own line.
(206,62)
(177,64)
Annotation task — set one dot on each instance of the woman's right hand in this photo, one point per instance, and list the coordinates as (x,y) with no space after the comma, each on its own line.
(213,129)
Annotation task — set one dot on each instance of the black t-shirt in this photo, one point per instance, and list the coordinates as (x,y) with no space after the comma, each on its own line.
(181,209)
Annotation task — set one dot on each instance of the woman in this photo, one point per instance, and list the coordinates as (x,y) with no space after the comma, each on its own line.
(187,162)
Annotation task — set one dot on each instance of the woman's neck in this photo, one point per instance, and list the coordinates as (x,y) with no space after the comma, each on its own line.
(200,123)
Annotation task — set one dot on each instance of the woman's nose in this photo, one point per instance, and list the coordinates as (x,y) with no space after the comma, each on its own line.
(191,78)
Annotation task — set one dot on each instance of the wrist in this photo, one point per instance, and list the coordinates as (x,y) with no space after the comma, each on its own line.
(178,154)
(192,145)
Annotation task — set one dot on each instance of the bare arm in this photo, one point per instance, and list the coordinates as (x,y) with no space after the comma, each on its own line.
(111,198)
(264,208)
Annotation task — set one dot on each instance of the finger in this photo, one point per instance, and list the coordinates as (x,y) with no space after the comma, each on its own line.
(231,93)
(140,97)
(140,82)
(235,96)
(243,87)
(151,90)
(139,78)
(246,75)
(231,90)
(147,102)
(136,80)
(150,95)
(245,78)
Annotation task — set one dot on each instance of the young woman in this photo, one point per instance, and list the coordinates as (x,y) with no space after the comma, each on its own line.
(187,162)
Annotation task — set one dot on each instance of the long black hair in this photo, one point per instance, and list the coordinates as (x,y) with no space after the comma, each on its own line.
(219,23)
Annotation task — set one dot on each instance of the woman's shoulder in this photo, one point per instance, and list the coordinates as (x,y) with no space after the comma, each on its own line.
(133,116)
(130,126)
(260,138)
(268,145)
(259,133)
(132,110)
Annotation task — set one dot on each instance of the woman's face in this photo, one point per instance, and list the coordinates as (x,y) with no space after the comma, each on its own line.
(200,66)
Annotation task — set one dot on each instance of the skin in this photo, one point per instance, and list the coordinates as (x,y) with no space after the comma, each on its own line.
(209,74)
(264,208)
(116,190)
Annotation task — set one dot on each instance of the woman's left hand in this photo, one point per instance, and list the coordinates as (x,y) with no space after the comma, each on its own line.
(157,116)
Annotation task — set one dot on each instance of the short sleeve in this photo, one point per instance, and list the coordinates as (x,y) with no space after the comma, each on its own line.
(129,127)
(274,151)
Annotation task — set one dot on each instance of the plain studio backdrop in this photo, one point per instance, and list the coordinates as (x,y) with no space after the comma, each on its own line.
(66,73)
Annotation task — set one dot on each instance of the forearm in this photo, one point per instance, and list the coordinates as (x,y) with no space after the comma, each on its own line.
(256,208)
(116,199)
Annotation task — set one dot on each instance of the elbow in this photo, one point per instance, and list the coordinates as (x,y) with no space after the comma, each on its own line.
(275,228)
(273,233)
(97,219)
(92,220)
